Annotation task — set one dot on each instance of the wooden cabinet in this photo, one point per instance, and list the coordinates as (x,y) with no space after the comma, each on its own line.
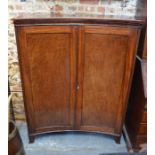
(76,76)
(136,118)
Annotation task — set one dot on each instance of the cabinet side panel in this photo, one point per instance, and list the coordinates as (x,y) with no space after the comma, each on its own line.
(26,84)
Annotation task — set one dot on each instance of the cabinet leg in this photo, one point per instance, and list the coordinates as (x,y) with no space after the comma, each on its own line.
(31,139)
(117,139)
(136,148)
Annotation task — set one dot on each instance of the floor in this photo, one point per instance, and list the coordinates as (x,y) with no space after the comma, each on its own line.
(70,143)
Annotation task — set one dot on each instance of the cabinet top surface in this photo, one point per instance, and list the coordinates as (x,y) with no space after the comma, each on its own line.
(41,19)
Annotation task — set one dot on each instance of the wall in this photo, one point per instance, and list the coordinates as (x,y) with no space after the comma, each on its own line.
(101,7)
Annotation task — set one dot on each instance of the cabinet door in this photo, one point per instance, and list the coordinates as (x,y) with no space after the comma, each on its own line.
(144,54)
(105,64)
(47,59)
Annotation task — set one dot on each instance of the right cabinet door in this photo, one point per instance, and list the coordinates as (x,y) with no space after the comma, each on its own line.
(105,64)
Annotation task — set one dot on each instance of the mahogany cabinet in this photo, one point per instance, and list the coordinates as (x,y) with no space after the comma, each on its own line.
(76,73)
(136,118)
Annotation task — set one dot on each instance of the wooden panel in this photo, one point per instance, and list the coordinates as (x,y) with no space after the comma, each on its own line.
(101,79)
(143,129)
(107,30)
(80,19)
(48,61)
(136,113)
(141,139)
(144,117)
(144,54)
(105,65)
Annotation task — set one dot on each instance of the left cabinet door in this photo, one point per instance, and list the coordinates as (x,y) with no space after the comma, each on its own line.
(47,56)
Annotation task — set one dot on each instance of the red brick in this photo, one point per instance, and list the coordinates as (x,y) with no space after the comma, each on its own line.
(58,14)
(58,8)
(101,9)
(89,1)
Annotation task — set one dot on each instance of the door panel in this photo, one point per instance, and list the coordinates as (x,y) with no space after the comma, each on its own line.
(102,79)
(104,68)
(49,55)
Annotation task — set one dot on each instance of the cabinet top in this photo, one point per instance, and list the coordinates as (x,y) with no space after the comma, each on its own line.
(78,19)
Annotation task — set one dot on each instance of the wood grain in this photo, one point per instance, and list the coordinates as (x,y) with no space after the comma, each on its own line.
(47,64)
(76,77)
(77,19)
(104,72)
(136,117)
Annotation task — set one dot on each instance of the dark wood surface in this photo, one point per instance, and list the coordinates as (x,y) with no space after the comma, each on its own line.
(106,58)
(42,18)
(78,76)
(136,118)
(144,54)
(15,145)
(48,70)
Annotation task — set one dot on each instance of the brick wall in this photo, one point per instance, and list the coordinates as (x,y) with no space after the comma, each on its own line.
(74,6)
(101,7)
